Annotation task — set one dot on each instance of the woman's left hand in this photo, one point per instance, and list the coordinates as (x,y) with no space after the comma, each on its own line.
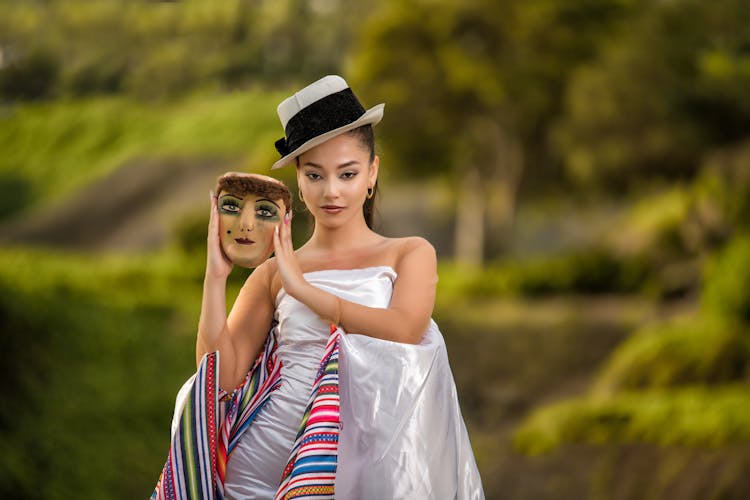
(291,274)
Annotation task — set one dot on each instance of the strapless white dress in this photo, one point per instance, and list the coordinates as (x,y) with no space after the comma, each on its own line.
(402,434)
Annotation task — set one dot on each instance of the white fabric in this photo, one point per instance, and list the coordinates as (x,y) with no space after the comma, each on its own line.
(402,434)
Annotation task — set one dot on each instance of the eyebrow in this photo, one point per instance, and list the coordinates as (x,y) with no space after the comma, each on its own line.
(268,200)
(256,201)
(343,165)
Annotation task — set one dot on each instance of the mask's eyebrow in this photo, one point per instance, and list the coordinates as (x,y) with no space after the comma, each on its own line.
(268,200)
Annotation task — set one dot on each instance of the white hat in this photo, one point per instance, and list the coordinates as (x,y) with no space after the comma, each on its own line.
(320,111)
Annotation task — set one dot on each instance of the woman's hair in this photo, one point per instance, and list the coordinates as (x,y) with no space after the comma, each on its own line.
(366,137)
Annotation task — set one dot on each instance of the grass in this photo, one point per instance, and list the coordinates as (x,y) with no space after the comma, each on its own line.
(50,149)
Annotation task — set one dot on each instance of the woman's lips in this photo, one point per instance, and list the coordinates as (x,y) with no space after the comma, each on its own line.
(244,241)
(332,209)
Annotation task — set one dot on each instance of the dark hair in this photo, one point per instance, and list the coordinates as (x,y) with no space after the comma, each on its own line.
(366,137)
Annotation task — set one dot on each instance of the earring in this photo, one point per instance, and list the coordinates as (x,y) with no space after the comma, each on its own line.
(370,193)
(299,193)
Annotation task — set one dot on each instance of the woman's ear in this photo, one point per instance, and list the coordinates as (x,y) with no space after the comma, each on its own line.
(373,174)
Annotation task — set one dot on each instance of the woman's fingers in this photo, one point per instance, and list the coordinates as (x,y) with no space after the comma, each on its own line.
(217,261)
(282,239)
(213,219)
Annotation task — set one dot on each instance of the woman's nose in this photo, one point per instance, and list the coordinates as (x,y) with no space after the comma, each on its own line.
(332,188)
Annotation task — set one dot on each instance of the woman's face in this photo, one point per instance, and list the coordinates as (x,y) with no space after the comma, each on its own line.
(333,178)
(246,224)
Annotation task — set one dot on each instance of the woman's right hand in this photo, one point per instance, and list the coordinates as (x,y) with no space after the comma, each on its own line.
(217,263)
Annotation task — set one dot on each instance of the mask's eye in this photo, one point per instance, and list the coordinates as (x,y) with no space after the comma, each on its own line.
(266,211)
(229,206)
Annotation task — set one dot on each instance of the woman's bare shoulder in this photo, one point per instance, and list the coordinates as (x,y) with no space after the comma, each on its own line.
(263,277)
(409,248)
(409,244)
(268,275)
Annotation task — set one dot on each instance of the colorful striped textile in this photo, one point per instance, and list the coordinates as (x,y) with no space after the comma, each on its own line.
(212,421)
(311,470)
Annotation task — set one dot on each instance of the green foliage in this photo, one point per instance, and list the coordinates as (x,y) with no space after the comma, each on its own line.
(659,95)
(657,230)
(723,193)
(727,284)
(686,351)
(50,149)
(14,193)
(692,416)
(84,342)
(33,77)
(156,50)
(477,65)
(673,383)
(588,271)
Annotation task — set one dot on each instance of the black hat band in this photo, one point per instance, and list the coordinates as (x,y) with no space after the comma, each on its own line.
(328,113)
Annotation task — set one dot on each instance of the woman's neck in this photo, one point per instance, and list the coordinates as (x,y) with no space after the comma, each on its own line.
(343,238)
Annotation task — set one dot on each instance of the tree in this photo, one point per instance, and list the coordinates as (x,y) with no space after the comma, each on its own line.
(661,96)
(471,88)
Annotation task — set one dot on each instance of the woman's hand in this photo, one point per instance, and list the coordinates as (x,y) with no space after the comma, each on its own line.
(217,263)
(291,274)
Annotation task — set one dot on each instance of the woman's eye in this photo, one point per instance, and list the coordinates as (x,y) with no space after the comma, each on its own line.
(348,175)
(312,176)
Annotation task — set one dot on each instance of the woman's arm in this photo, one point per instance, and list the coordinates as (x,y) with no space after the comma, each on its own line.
(240,336)
(409,312)
(213,306)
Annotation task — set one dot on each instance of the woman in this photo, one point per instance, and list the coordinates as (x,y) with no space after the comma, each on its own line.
(397,431)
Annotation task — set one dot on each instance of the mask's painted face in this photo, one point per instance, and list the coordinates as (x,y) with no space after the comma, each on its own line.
(247,224)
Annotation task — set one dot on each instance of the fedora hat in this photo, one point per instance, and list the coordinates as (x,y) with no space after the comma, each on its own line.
(320,111)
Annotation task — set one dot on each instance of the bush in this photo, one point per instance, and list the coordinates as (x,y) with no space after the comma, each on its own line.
(31,77)
(686,351)
(693,416)
(589,271)
(15,193)
(727,282)
(94,352)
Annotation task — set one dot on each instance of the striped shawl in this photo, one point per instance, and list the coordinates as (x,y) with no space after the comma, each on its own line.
(213,421)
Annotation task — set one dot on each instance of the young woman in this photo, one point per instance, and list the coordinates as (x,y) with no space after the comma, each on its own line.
(361,402)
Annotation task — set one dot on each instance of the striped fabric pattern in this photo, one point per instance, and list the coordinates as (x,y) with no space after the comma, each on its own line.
(311,470)
(191,464)
(211,423)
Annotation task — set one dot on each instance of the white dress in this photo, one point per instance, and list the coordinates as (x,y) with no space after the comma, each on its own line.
(402,434)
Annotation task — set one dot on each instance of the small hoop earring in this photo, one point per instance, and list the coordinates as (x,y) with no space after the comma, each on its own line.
(299,193)
(370,193)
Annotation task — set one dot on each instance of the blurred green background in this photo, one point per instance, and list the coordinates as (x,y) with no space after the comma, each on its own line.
(582,167)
